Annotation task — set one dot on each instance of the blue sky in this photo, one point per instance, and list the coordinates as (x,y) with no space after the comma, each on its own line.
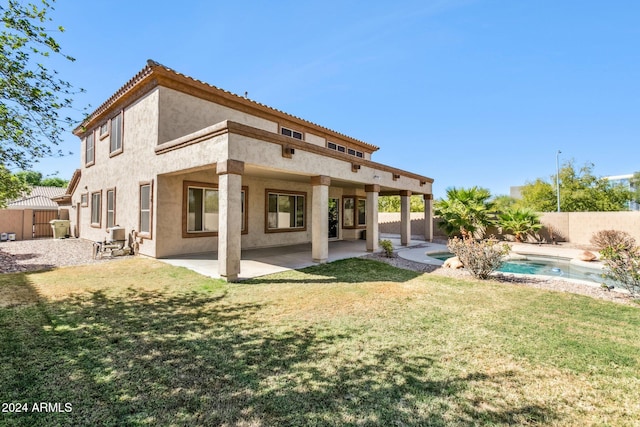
(468,92)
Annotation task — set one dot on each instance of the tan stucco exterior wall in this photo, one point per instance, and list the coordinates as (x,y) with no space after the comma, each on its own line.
(269,155)
(124,172)
(169,216)
(181,114)
(170,137)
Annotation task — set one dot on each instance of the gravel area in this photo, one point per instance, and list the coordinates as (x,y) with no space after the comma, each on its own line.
(572,286)
(43,254)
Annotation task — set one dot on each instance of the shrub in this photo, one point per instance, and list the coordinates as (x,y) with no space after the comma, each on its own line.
(612,238)
(387,246)
(519,221)
(622,264)
(481,258)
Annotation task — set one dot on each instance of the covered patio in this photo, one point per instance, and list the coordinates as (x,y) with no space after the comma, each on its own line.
(260,262)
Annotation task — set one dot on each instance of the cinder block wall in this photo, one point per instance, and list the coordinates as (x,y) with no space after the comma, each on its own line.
(574,227)
(578,227)
(389,223)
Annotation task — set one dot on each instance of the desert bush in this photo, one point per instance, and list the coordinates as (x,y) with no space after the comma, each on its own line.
(387,246)
(622,264)
(481,258)
(612,238)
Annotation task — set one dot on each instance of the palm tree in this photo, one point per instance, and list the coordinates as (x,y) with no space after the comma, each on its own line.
(466,211)
(519,221)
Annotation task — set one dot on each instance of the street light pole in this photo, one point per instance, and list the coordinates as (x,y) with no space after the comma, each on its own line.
(558,177)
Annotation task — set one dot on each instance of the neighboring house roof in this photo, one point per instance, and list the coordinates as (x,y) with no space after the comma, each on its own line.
(156,74)
(65,197)
(39,197)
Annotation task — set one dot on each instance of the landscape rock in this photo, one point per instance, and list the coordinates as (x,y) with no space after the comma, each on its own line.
(453,262)
(587,256)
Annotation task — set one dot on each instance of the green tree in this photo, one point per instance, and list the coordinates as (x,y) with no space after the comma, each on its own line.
(392,203)
(635,187)
(33,99)
(465,211)
(580,191)
(11,187)
(502,203)
(519,221)
(55,181)
(539,196)
(30,177)
(389,204)
(33,178)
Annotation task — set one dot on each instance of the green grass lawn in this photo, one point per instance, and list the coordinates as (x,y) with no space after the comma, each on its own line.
(355,342)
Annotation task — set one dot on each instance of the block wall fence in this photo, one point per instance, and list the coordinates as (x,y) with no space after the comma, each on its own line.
(571,227)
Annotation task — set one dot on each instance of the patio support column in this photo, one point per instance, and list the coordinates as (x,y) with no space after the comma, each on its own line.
(229,218)
(320,218)
(405,217)
(372,216)
(428,217)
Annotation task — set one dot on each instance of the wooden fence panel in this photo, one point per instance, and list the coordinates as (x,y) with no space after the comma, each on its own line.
(41,226)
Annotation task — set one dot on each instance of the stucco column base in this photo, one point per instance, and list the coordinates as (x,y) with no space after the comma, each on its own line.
(229,220)
(373,235)
(428,217)
(405,218)
(319,219)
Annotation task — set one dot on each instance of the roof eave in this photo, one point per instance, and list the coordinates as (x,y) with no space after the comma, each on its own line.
(154,73)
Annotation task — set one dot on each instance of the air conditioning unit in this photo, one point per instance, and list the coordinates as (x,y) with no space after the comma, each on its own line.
(117,234)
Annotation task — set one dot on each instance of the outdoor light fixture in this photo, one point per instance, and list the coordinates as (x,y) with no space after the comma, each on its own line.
(558,177)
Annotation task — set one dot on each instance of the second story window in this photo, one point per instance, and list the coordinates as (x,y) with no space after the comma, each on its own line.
(89,154)
(104,130)
(291,133)
(343,149)
(116,135)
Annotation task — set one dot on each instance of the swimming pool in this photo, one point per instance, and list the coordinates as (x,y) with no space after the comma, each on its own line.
(545,266)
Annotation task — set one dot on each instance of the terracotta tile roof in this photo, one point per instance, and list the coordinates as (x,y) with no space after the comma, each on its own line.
(39,197)
(153,67)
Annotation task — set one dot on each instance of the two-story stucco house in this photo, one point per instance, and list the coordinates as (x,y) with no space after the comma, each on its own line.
(192,168)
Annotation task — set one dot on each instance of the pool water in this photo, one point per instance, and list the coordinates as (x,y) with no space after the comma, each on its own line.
(546,266)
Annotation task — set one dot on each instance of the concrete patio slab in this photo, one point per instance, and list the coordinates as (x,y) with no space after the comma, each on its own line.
(260,262)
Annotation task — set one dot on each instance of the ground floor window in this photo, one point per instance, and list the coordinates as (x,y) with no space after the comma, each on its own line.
(354,212)
(201,209)
(111,207)
(146,193)
(96,209)
(285,211)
